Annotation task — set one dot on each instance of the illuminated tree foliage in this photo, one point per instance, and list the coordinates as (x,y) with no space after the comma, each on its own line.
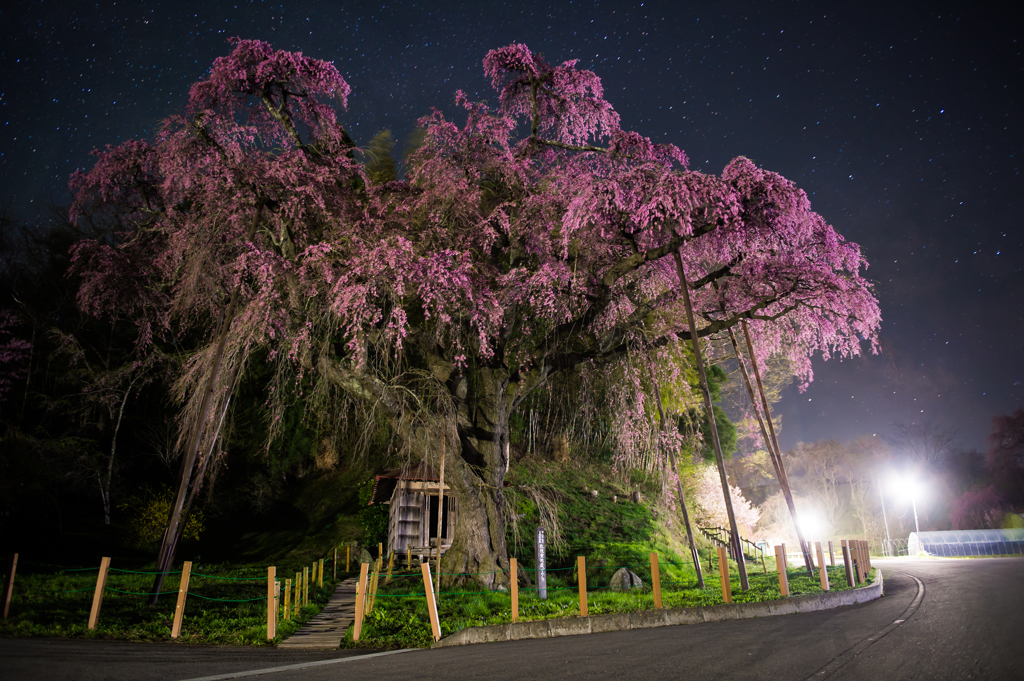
(445,298)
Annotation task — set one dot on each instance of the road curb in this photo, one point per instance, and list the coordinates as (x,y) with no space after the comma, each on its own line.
(647,619)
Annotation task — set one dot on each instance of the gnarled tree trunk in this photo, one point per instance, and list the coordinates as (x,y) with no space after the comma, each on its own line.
(477,476)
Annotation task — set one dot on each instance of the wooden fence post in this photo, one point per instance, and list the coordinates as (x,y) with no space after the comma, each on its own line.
(374,584)
(271,603)
(320,574)
(408,557)
(391,564)
(97,596)
(348,555)
(581,569)
(287,599)
(305,586)
(335,572)
(822,570)
(298,593)
(428,586)
(831,555)
(656,580)
(357,626)
(9,584)
(179,609)
(514,568)
(848,563)
(723,571)
(780,567)
(380,550)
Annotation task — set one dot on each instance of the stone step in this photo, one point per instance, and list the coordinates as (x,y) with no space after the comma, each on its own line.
(325,630)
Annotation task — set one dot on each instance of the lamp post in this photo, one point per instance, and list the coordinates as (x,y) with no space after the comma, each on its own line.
(913,502)
(885,520)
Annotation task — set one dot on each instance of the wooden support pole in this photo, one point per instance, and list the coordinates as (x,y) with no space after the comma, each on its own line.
(298,593)
(428,587)
(848,563)
(581,569)
(320,574)
(271,603)
(723,573)
(408,557)
(380,551)
(831,554)
(305,586)
(287,599)
(391,564)
(780,566)
(514,568)
(822,570)
(357,626)
(179,608)
(335,571)
(348,555)
(709,413)
(9,584)
(656,581)
(97,596)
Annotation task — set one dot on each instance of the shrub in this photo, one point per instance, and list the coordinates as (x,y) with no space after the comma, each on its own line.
(148,513)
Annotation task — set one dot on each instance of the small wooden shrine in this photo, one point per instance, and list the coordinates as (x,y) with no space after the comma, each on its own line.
(413,521)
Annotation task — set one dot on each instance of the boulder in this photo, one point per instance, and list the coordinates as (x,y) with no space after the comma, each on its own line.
(624,580)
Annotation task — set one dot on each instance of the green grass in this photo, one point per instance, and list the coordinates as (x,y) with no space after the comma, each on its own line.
(399,618)
(57,603)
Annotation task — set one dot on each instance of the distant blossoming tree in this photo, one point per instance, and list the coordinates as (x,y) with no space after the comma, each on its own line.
(444,299)
(711,501)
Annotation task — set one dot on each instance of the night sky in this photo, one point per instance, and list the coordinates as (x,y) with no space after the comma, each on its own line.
(903,125)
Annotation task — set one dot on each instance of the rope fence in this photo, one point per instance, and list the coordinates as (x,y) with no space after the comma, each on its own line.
(273,590)
(855,568)
(287,597)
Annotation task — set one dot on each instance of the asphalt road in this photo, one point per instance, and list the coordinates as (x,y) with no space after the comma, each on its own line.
(939,619)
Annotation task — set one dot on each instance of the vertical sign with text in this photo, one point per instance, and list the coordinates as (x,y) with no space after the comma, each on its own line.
(542,571)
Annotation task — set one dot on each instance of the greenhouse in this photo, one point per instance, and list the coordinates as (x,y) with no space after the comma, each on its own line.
(967,542)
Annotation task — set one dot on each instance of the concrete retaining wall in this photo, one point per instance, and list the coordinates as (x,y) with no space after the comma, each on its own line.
(646,619)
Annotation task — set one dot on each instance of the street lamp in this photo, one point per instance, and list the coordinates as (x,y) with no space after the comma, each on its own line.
(909,488)
(885,520)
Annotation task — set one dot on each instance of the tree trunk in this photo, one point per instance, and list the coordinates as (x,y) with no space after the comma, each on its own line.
(477,477)
(175,523)
(105,481)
